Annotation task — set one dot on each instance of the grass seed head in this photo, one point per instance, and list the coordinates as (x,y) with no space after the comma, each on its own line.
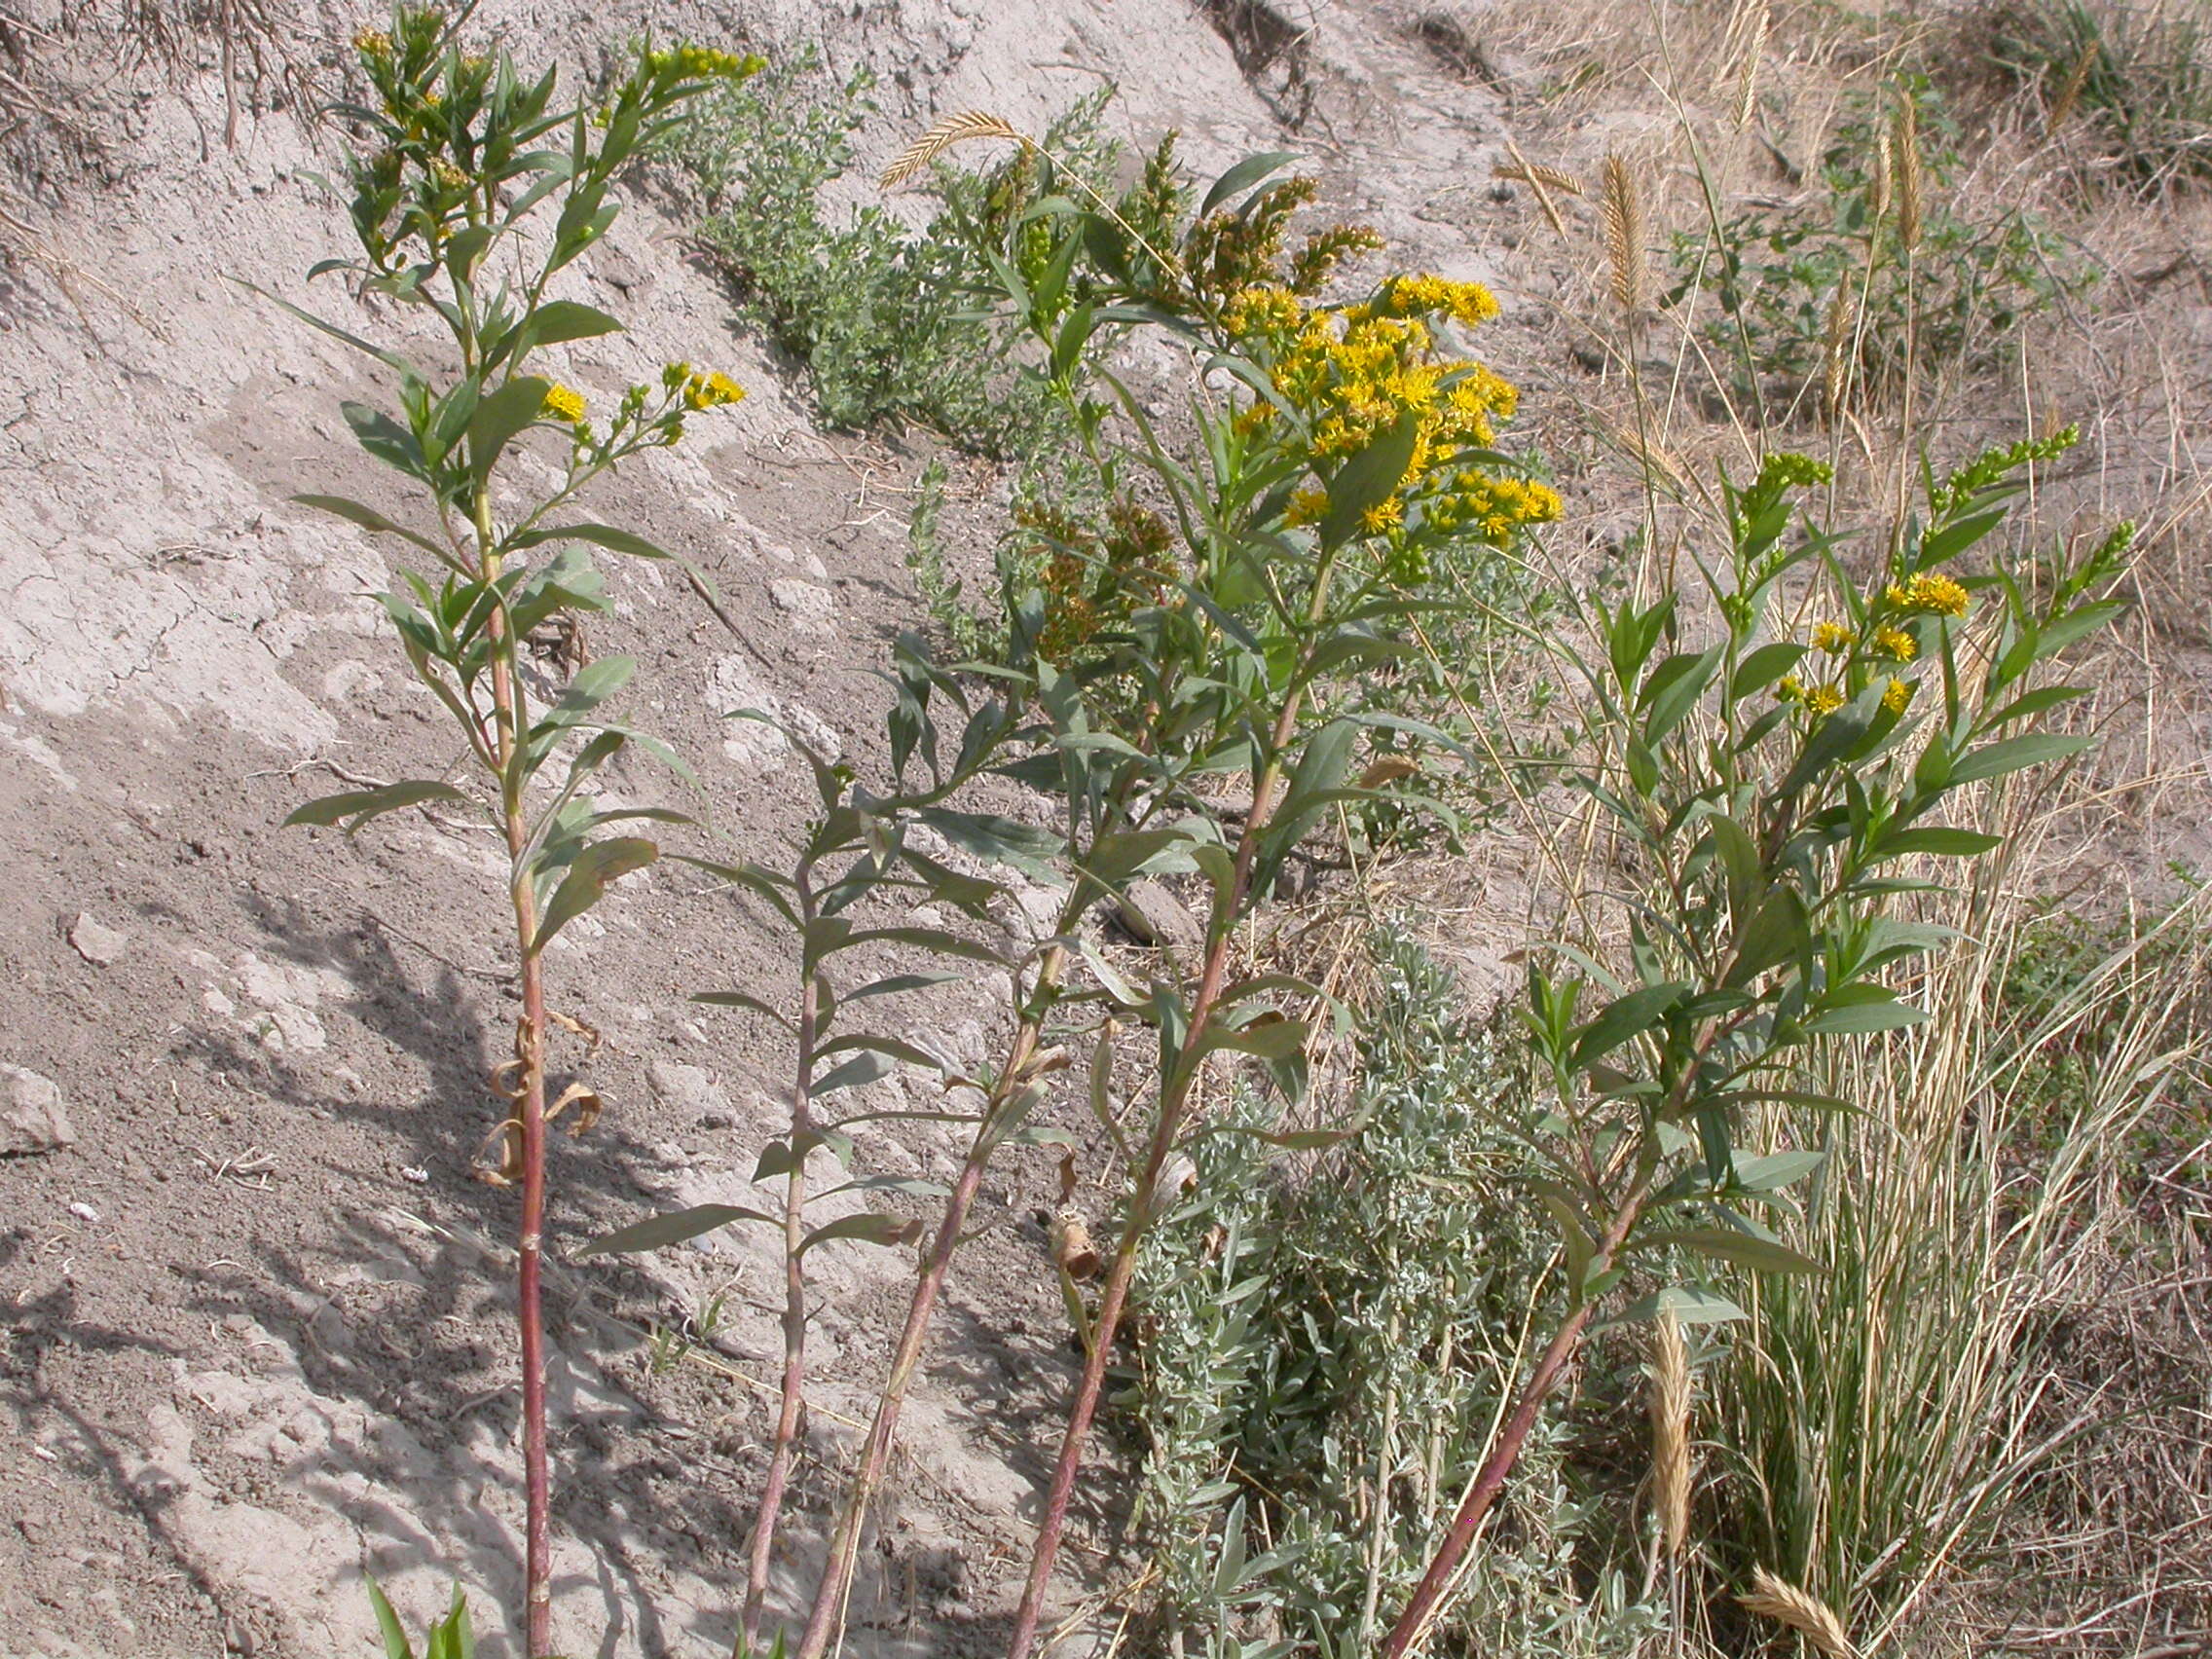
(952,129)
(1669,1403)
(1621,202)
(1783,1603)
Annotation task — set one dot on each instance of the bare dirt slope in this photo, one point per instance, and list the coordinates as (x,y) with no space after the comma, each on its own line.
(254,1338)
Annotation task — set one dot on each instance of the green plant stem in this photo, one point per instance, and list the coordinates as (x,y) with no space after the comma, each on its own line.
(509,710)
(761,1553)
(1413,1623)
(1165,1130)
(837,1573)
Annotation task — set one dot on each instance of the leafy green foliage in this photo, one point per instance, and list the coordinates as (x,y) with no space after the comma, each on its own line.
(1799,286)
(2139,77)
(1325,1351)
(449,1638)
(1775,815)
(881,316)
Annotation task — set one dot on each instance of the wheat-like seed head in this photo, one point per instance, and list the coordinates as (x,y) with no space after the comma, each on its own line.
(1541,182)
(1906,152)
(1787,1604)
(1884,173)
(2071,88)
(1621,205)
(952,129)
(1535,172)
(1670,1406)
(1748,75)
(1835,368)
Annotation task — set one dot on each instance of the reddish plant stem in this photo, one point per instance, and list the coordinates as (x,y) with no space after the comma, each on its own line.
(508,714)
(875,1451)
(761,1553)
(1413,1623)
(1166,1127)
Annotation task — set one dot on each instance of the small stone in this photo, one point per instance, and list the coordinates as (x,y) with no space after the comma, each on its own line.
(85,1213)
(1152,915)
(97,942)
(811,608)
(32,1119)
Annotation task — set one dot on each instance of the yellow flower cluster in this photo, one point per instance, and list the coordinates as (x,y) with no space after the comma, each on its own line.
(1887,641)
(1895,644)
(1827,698)
(1356,373)
(449,176)
(564,403)
(372,43)
(701,391)
(1929,593)
(1425,295)
(701,62)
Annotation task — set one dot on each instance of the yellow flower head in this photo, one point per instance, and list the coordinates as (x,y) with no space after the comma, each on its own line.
(372,43)
(1824,699)
(1789,689)
(1931,593)
(1308,506)
(1896,644)
(1899,696)
(1831,637)
(711,392)
(449,176)
(1383,515)
(563,403)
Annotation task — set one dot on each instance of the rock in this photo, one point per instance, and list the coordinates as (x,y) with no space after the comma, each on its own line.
(97,942)
(691,1089)
(812,610)
(1154,915)
(32,1119)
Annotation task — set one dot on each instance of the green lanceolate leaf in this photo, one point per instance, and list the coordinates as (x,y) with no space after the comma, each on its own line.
(866,1228)
(1760,1255)
(598,535)
(592,871)
(1689,1303)
(362,805)
(1775,1170)
(2014,755)
(677,1226)
(1624,1019)
(385,439)
(395,1642)
(1856,1018)
(1367,480)
(1243,176)
(499,417)
(368,518)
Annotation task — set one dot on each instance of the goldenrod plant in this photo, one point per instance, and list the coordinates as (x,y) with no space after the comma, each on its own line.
(1238,580)
(462,161)
(1782,764)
